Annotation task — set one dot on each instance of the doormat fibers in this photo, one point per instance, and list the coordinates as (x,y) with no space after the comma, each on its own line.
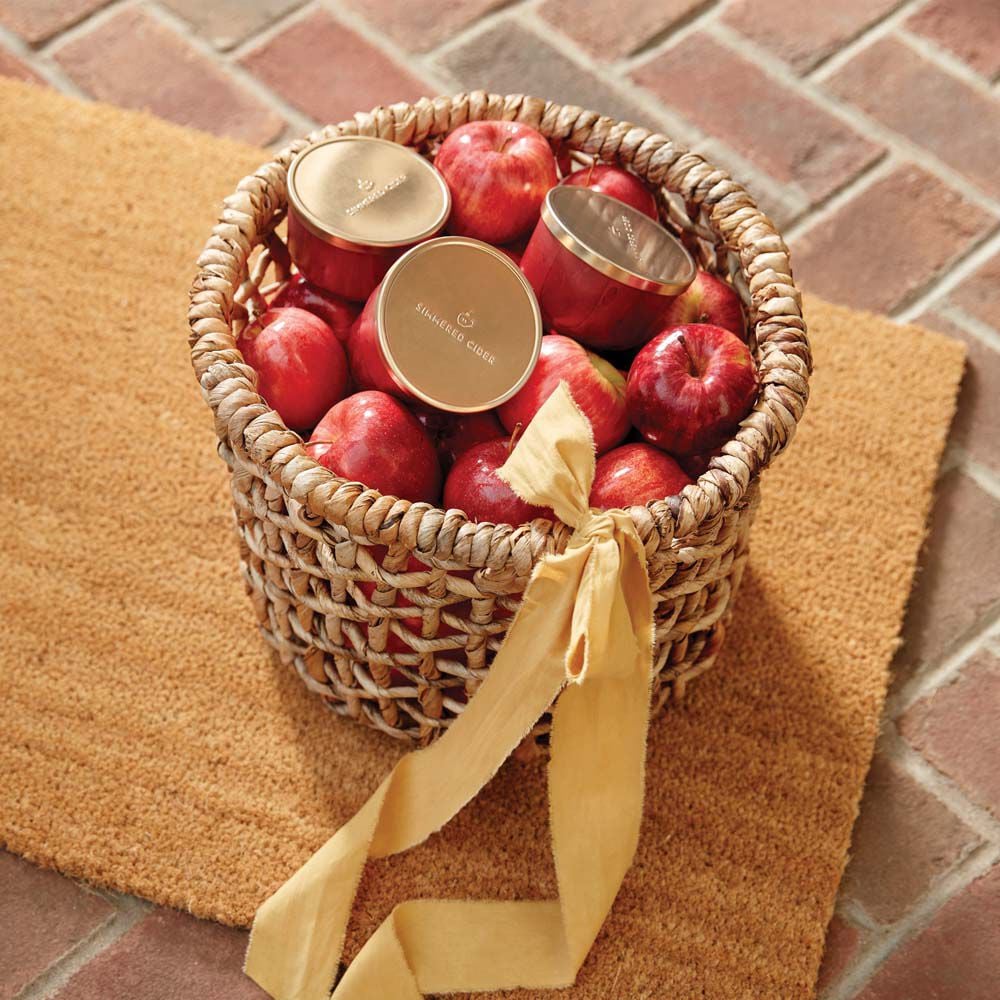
(148,742)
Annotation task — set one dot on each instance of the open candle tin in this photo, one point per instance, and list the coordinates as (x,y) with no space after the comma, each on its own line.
(603,271)
(355,204)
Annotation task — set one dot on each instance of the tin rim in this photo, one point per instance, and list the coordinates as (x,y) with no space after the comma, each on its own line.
(600,262)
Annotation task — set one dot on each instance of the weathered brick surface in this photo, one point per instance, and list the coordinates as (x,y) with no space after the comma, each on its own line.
(421,26)
(804,34)
(42,917)
(956,958)
(611,30)
(889,242)
(958,583)
(226,23)
(970,29)
(956,729)
(329,72)
(37,20)
(510,59)
(904,841)
(975,428)
(777,129)
(842,942)
(11,65)
(134,61)
(168,956)
(979,294)
(930,106)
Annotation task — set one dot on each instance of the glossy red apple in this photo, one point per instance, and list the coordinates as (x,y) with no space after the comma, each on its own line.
(474,487)
(635,474)
(708,299)
(364,356)
(454,433)
(301,367)
(337,313)
(689,388)
(371,438)
(498,174)
(616,183)
(596,386)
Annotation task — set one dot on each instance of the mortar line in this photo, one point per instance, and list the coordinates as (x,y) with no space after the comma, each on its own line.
(984,477)
(947,62)
(269,31)
(970,324)
(876,31)
(129,911)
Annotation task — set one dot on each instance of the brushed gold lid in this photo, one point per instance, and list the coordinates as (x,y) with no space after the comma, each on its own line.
(458,324)
(618,240)
(360,191)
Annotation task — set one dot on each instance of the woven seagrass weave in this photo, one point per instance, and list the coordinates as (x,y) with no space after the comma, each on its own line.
(391,610)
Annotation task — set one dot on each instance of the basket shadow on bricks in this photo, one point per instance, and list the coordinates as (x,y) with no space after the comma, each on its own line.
(150,744)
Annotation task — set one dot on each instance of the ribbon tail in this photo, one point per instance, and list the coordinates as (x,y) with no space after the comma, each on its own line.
(298,933)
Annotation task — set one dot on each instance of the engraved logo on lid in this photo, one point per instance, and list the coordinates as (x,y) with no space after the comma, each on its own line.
(622,229)
(373,195)
(365,183)
(465,319)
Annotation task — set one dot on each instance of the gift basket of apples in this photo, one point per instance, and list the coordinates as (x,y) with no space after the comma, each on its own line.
(383,308)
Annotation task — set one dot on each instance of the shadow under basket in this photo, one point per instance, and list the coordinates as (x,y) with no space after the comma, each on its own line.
(391,611)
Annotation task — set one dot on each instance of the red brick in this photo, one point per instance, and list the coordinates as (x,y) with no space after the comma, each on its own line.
(168,956)
(968,28)
(842,941)
(903,841)
(609,31)
(975,425)
(43,915)
(979,295)
(931,107)
(509,59)
(421,26)
(134,61)
(955,728)
(804,34)
(958,582)
(37,20)
(329,72)
(786,135)
(956,958)
(11,66)
(882,248)
(226,23)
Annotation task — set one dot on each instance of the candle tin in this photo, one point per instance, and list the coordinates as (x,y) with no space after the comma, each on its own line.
(355,204)
(454,324)
(603,271)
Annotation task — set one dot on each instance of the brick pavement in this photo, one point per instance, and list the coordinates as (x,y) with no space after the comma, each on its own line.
(870,129)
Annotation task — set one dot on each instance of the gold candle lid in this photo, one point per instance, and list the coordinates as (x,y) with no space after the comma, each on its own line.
(357,191)
(458,324)
(617,240)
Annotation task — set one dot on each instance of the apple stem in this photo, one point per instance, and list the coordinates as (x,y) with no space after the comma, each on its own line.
(514,435)
(692,370)
(590,172)
(312,444)
(506,140)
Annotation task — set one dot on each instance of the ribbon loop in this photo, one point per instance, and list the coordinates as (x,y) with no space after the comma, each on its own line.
(586,617)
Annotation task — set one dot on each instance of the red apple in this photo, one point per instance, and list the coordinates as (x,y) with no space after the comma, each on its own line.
(337,313)
(689,388)
(708,299)
(367,366)
(697,465)
(596,386)
(454,433)
(301,367)
(372,438)
(635,474)
(474,487)
(616,183)
(498,174)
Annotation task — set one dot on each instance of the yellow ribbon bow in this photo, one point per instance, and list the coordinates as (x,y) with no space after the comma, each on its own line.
(585,627)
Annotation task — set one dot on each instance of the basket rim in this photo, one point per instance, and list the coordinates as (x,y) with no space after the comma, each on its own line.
(252,430)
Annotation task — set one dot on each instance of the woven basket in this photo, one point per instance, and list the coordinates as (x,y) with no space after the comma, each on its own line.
(407,658)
